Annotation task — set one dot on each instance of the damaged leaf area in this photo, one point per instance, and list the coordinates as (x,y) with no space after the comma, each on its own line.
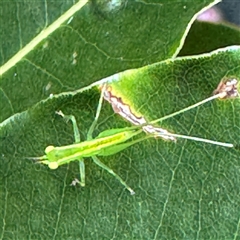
(228,88)
(124,110)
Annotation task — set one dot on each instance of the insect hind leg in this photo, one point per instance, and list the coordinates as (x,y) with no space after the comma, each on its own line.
(102,165)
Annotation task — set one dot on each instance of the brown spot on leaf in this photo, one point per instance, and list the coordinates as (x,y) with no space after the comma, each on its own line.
(227,89)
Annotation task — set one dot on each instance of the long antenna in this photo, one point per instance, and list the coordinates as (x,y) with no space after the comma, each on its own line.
(230,145)
(187,108)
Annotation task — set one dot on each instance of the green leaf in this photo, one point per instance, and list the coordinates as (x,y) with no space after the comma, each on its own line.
(182,189)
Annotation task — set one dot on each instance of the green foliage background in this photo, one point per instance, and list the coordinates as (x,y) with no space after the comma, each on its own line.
(184,190)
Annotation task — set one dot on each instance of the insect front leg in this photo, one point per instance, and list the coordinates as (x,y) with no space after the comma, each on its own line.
(82,172)
(74,123)
(94,123)
(102,165)
(77,140)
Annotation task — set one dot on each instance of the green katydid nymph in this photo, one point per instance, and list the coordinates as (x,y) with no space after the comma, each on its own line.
(112,141)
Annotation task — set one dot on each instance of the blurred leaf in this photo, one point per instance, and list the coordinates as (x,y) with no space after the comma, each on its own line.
(182,189)
(205,37)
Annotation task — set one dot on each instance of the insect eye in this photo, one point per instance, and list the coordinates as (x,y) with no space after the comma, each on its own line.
(49,149)
(53,165)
